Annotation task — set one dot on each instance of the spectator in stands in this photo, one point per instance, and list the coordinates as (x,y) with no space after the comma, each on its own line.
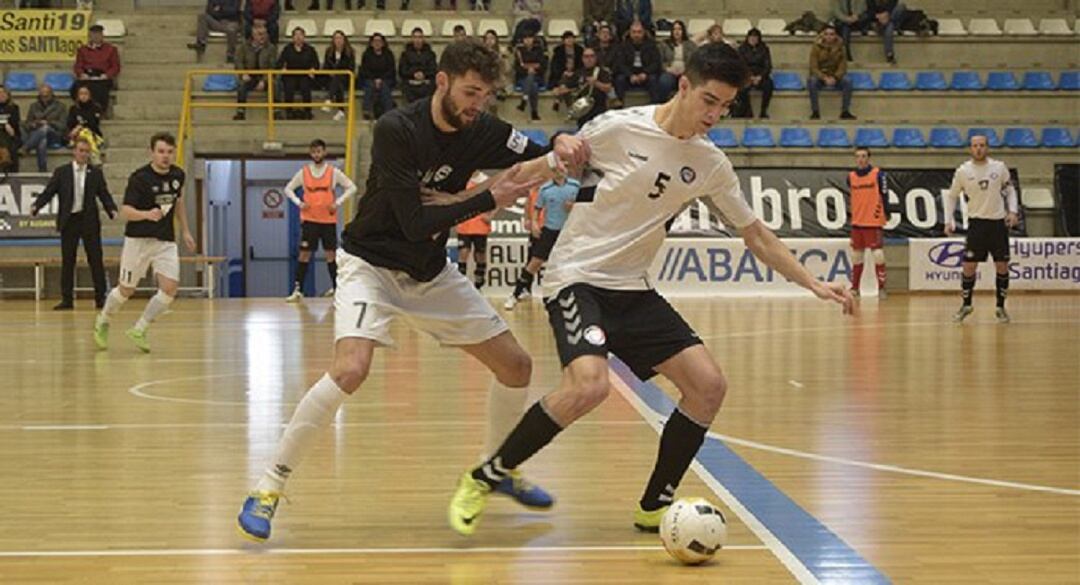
(637,65)
(528,19)
(84,121)
(96,65)
(598,78)
(264,11)
(848,15)
(10,132)
(629,11)
(298,56)
(605,46)
(44,125)
(257,53)
(220,16)
(339,56)
(530,64)
(418,67)
(675,53)
(377,75)
(506,60)
(759,58)
(565,67)
(597,13)
(828,67)
(883,15)
(460,34)
(713,34)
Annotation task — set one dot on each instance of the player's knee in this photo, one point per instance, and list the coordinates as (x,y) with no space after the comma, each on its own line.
(169,288)
(879,256)
(126,292)
(517,370)
(590,392)
(711,390)
(349,371)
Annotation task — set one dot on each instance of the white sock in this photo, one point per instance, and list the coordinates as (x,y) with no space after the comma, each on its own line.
(314,413)
(159,303)
(505,407)
(113,301)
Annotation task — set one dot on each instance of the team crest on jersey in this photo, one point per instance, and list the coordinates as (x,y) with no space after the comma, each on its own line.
(984,184)
(688,175)
(438,176)
(595,335)
(176,184)
(517,142)
(155,188)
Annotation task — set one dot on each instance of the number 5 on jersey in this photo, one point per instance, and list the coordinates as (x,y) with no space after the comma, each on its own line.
(660,184)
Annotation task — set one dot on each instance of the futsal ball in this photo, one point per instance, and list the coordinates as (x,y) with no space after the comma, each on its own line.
(693,530)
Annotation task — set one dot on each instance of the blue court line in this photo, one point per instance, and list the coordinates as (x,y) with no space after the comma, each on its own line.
(824,554)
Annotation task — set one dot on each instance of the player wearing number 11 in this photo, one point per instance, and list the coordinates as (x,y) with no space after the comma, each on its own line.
(645,164)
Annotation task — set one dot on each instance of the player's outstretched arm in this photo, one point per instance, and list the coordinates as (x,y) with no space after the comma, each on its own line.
(769,249)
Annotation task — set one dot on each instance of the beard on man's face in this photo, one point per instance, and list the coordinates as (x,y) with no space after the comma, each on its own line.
(452,116)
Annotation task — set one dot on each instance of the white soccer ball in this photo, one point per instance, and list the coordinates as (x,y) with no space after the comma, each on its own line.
(693,530)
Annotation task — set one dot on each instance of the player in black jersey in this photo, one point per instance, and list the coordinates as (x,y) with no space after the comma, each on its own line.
(393,259)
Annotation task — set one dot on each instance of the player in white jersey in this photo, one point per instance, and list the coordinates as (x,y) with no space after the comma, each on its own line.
(992,209)
(646,164)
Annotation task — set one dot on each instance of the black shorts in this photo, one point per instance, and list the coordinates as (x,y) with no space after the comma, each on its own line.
(311,233)
(541,247)
(477,242)
(986,236)
(638,326)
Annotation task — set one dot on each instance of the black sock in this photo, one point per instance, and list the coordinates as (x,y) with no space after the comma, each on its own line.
(1002,283)
(967,287)
(480,273)
(332,268)
(679,444)
(463,268)
(524,283)
(535,430)
(301,273)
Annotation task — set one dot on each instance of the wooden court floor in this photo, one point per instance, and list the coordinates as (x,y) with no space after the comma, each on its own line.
(937,453)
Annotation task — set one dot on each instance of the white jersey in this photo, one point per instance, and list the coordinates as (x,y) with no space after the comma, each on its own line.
(988,188)
(642,177)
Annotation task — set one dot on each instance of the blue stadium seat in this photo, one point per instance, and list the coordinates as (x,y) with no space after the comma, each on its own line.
(1039,81)
(723,137)
(518,88)
(1001,81)
(20,81)
(861,80)
(946,138)
(833,138)
(536,135)
(1069,80)
(795,138)
(871,137)
(1021,138)
(991,136)
(966,81)
(908,138)
(930,81)
(894,81)
(788,81)
(220,82)
(1057,138)
(61,81)
(758,137)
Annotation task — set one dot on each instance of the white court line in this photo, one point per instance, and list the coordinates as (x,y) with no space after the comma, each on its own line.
(895,468)
(796,383)
(790,561)
(848,327)
(222,552)
(65,427)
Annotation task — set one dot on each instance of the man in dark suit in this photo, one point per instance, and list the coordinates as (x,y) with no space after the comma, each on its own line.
(79,186)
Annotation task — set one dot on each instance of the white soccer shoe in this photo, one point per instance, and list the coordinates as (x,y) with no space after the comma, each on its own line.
(295,297)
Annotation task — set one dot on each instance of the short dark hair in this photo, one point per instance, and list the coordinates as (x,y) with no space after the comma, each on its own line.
(417,30)
(461,57)
(459,27)
(718,62)
(162,137)
(829,26)
(97,28)
(865,149)
(568,34)
(317,142)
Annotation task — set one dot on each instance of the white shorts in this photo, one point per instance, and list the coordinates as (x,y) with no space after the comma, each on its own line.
(449,308)
(142,253)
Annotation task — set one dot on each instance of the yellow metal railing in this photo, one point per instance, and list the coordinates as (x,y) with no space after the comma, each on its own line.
(187,125)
